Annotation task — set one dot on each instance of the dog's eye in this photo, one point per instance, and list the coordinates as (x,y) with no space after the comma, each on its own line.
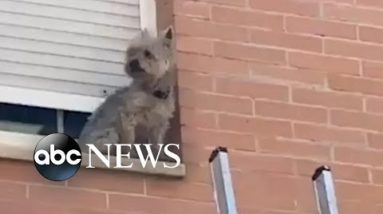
(148,54)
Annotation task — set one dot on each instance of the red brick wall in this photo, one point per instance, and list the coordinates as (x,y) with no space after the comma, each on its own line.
(286,85)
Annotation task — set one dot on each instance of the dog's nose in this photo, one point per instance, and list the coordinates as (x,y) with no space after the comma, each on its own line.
(134,65)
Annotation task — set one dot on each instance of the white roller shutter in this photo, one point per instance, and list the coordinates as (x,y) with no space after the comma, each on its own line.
(64,54)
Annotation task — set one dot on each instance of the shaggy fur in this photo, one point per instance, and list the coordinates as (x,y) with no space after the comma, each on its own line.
(141,112)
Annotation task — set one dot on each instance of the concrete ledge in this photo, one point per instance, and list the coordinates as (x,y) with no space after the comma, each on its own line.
(20,146)
(137,167)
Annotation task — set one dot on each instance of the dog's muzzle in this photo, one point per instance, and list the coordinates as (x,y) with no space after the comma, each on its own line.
(161,94)
(135,66)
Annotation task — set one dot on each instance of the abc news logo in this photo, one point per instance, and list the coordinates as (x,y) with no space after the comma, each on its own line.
(58,157)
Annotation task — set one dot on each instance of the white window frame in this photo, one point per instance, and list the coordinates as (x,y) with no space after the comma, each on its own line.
(20,146)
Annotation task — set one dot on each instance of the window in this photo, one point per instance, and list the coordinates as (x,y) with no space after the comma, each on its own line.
(60,59)
(40,121)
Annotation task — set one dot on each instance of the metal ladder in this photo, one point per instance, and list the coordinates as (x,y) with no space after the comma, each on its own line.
(224,191)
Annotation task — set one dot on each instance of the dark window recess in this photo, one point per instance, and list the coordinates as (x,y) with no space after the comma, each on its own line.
(41,121)
(26,119)
(74,122)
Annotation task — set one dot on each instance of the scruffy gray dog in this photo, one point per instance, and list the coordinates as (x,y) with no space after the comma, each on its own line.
(141,112)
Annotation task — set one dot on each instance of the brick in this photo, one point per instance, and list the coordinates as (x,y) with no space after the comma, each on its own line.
(320,27)
(68,197)
(227,2)
(305,196)
(251,89)
(189,98)
(358,156)
(252,53)
(193,45)
(353,14)
(115,181)
(194,154)
(195,118)
(200,28)
(24,206)
(256,162)
(304,8)
(373,70)
(343,172)
(350,173)
(192,8)
(12,191)
(195,81)
(356,84)
(374,105)
(22,172)
(211,65)
(290,111)
(288,147)
(90,211)
(356,207)
(255,125)
(197,174)
(285,40)
(214,138)
(327,99)
(323,63)
(248,210)
(357,192)
(377,208)
(251,189)
(351,2)
(155,205)
(377,176)
(353,49)
(371,34)
(374,3)
(375,141)
(357,120)
(178,189)
(275,212)
(368,194)
(247,18)
(328,134)
(284,73)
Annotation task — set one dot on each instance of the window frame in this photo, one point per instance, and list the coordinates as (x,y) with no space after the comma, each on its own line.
(20,146)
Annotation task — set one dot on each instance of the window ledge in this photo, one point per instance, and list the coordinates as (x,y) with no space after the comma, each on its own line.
(21,147)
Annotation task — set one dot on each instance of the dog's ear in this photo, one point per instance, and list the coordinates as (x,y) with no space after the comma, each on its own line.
(168,33)
(167,37)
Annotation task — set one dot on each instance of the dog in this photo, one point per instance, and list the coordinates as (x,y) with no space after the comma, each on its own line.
(139,113)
